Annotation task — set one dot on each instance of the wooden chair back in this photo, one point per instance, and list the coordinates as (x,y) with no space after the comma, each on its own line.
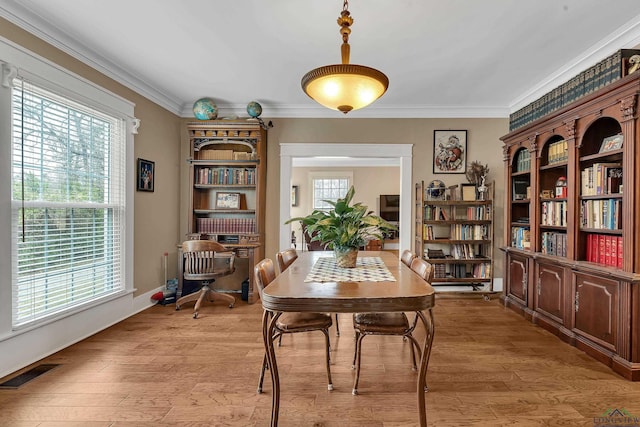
(203,259)
(406,257)
(286,258)
(423,269)
(264,273)
(311,245)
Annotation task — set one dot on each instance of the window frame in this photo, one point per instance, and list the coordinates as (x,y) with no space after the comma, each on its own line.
(16,61)
(316,175)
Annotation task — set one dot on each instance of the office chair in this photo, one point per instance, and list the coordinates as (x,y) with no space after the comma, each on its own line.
(202,262)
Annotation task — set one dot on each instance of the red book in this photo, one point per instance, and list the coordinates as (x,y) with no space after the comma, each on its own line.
(601,249)
(619,252)
(594,248)
(614,251)
(607,250)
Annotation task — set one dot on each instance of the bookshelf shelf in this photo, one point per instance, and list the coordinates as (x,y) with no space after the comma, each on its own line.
(574,266)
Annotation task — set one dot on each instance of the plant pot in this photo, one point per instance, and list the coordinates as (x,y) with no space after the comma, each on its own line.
(346,257)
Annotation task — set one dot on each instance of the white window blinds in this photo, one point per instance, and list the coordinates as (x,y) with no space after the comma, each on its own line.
(68,204)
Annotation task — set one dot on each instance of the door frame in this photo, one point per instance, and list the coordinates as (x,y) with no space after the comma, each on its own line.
(402,152)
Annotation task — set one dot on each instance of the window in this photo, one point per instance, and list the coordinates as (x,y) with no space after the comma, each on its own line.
(328,188)
(68,203)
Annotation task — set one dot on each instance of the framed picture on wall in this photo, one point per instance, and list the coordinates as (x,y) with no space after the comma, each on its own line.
(294,195)
(449,151)
(146,172)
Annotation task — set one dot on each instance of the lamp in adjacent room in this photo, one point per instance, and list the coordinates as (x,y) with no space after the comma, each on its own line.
(345,87)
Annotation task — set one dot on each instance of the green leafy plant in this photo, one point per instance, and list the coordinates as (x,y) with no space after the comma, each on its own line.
(345,226)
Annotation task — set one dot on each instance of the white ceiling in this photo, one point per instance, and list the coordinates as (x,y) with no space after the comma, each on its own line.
(444,58)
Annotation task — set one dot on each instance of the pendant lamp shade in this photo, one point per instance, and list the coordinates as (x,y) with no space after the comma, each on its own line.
(345,87)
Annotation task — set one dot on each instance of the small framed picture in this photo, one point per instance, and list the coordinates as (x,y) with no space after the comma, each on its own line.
(468,191)
(294,195)
(227,200)
(449,151)
(611,143)
(146,172)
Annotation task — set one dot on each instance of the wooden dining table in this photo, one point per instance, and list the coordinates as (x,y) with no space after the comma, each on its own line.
(292,292)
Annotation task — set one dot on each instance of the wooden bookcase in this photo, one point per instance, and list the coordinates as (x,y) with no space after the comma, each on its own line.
(456,237)
(227,177)
(573,252)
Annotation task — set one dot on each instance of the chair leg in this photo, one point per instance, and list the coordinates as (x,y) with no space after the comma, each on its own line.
(358,358)
(326,337)
(414,346)
(355,350)
(264,368)
(196,309)
(188,298)
(229,298)
(337,326)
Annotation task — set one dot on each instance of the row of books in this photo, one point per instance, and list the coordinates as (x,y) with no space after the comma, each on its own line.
(226,225)
(225,176)
(601,178)
(482,270)
(601,214)
(463,251)
(598,76)
(478,213)
(435,213)
(523,161)
(554,213)
(604,249)
(469,232)
(521,237)
(558,152)
(552,243)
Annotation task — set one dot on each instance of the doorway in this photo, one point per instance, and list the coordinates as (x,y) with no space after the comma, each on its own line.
(401,154)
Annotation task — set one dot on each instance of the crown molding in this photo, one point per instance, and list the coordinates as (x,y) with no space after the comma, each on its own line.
(626,36)
(42,29)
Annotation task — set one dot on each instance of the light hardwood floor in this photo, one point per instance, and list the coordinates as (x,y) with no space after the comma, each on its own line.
(489,367)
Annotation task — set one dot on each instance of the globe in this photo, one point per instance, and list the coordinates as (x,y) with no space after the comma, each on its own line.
(205,109)
(254,109)
(436,189)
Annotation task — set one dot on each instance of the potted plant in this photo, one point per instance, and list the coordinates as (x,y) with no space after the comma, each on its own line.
(345,228)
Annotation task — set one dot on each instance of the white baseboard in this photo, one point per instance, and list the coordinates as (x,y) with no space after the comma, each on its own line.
(23,348)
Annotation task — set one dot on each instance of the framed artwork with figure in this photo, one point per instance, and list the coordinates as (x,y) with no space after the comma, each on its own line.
(146,172)
(449,151)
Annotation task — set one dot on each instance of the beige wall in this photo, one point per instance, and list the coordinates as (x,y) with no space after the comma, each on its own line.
(157,213)
(483,144)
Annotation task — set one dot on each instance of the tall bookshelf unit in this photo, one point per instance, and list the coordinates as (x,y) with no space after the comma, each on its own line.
(572,243)
(456,237)
(227,192)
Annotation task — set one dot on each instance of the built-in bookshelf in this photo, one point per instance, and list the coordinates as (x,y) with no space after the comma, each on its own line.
(572,247)
(456,237)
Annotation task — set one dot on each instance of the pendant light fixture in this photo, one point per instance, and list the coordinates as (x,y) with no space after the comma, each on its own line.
(345,87)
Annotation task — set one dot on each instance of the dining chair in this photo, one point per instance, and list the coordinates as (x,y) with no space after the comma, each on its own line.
(205,261)
(406,257)
(286,258)
(389,323)
(289,323)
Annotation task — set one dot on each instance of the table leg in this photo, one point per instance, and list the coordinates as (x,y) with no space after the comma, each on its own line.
(424,364)
(268,325)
